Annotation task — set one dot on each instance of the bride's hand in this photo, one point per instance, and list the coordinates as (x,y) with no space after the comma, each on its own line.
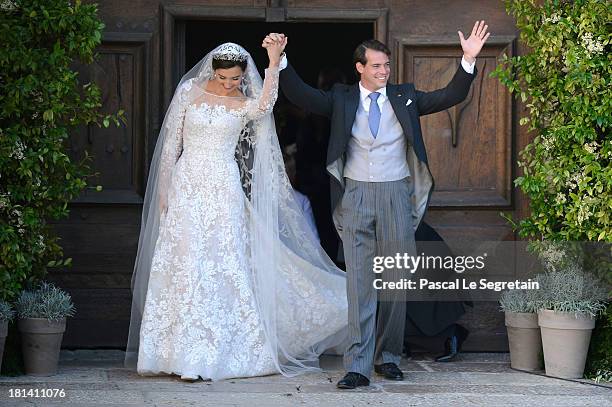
(275,45)
(163,203)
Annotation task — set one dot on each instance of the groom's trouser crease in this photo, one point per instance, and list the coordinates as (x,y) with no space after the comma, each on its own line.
(376,221)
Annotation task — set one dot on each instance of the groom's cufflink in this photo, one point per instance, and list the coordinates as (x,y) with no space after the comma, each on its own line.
(408,102)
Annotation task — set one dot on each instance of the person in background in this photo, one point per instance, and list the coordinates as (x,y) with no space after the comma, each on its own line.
(302,200)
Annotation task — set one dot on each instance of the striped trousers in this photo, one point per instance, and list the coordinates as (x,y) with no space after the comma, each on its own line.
(376,220)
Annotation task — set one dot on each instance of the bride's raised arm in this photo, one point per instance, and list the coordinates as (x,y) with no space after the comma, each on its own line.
(257,108)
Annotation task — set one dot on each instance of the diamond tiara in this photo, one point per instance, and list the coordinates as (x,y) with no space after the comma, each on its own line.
(230,51)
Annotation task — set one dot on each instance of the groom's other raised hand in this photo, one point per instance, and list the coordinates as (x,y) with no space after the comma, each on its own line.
(474,43)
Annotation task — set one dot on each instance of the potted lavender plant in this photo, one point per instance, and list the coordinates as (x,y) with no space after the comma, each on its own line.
(525,342)
(571,300)
(42,317)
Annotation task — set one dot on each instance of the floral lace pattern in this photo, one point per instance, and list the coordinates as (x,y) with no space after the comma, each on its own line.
(200,315)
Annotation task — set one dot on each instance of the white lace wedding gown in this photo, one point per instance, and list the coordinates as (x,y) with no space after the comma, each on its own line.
(200,316)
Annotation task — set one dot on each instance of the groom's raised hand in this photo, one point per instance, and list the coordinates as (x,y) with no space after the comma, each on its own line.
(473,45)
(273,38)
(275,45)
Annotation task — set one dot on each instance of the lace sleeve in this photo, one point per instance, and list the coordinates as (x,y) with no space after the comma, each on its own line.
(173,145)
(257,108)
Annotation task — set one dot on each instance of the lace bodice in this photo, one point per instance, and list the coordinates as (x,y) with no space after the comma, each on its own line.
(207,127)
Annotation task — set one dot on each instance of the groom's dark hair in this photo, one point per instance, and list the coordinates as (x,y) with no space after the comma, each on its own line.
(360,52)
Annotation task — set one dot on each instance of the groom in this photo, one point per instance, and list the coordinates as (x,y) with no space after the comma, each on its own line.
(380,185)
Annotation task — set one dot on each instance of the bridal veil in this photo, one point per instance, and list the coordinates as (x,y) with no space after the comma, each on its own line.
(278,230)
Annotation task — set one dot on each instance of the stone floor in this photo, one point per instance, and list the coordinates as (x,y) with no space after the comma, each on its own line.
(97,378)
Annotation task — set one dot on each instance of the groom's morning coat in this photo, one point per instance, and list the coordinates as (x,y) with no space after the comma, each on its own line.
(340,105)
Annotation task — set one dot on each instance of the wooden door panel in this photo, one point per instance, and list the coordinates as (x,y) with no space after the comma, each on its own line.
(117,152)
(468,145)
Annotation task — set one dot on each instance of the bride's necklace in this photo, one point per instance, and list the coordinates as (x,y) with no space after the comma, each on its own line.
(207,90)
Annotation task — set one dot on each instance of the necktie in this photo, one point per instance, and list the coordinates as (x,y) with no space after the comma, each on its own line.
(374,115)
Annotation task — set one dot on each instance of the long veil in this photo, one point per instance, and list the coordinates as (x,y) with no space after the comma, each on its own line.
(288,265)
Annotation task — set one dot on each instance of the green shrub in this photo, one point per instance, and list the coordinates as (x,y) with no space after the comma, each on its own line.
(565,81)
(41,101)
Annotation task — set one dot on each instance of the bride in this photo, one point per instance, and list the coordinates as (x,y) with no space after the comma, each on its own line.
(229,280)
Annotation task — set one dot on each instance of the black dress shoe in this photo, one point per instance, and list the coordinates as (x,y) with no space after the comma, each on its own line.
(389,371)
(352,380)
(452,346)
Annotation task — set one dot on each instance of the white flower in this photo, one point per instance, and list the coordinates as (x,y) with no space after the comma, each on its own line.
(591,147)
(18,151)
(595,47)
(548,143)
(16,213)
(552,256)
(573,181)
(554,18)
(8,5)
(591,46)
(560,199)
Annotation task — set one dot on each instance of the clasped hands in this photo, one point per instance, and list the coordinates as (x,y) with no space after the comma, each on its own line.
(275,45)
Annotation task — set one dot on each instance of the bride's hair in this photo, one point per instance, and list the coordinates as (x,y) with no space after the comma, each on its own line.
(218,63)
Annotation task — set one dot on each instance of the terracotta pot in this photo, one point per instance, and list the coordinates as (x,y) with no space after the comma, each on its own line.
(41,340)
(524,340)
(565,340)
